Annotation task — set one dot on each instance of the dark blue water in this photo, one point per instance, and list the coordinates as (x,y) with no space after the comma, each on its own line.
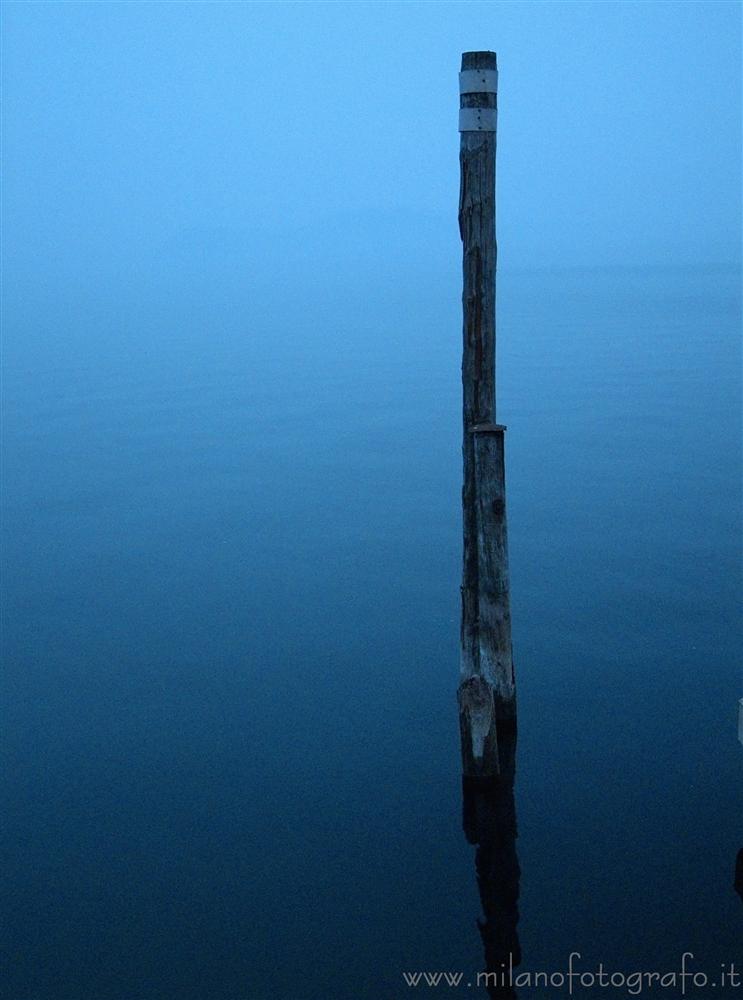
(231,570)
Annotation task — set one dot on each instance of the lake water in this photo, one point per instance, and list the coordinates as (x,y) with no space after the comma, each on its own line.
(232,561)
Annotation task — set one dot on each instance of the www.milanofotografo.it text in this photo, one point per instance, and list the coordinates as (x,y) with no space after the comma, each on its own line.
(686,979)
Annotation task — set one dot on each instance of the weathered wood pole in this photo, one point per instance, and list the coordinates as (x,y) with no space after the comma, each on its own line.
(487,694)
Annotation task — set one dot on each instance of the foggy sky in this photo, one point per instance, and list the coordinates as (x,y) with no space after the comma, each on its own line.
(325,136)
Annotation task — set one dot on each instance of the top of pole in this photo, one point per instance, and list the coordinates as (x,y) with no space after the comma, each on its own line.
(479,60)
(478,89)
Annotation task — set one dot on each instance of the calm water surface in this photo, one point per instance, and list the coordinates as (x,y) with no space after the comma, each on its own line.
(232,557)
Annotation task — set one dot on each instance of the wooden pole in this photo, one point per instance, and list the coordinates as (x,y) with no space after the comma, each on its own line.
(487,695)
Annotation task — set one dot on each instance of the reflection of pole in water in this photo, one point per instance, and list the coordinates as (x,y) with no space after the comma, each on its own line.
(489,817)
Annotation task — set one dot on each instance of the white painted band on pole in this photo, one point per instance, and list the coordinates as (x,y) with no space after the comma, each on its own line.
(477,119)
(478,81)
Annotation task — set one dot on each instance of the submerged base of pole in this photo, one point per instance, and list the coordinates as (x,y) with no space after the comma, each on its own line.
(488,742)
(478,729)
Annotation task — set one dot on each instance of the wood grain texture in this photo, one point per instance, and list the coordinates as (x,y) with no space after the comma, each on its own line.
(494,606)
